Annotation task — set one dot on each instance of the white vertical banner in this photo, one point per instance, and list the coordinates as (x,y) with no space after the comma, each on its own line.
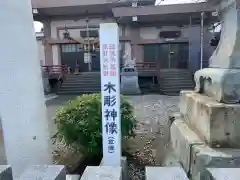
(110,93)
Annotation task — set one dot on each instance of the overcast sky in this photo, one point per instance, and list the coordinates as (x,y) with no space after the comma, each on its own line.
(38,25)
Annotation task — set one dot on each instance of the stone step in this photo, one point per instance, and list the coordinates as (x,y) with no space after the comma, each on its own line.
(81,84)
(182,74)
(173,81)
(83,79)
(177,79)
(77,92)
(176,85)
(80,89)
(165,173)
(165,74)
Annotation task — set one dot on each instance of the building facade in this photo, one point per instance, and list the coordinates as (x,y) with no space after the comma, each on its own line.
(168,35)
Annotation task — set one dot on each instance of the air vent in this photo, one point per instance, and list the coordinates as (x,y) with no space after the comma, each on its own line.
(170,34)
(92,33)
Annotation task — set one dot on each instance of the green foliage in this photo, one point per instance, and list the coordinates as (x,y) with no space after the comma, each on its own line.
(79,123)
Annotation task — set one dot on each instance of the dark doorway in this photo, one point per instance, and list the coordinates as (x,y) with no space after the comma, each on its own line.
(72,55)
(167,55)
(95,60)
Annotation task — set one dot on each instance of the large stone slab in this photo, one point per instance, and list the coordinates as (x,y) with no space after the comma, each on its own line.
(183,139)
(102,173)
(46,172)
(202,157)
(165,173)
(124,166)
(217,123)
(221,174)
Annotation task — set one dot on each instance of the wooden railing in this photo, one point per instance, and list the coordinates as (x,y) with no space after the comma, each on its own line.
(55,69)
(63,69)
(146,66)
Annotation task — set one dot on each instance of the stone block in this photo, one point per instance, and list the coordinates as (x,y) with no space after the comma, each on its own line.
(5,172)
(102,173)
(216,123)
(124,166)
(171,160)
(46,172)
(202,156)
(183,139)
(129,82)
(73,177)
(221,174)
(165,173)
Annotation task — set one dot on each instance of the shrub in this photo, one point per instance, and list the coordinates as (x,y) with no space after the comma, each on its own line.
(79,123)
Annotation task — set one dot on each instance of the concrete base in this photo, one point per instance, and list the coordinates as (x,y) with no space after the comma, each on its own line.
(129,83)
(165,173)
(216,123)
(203,156)
(102,173)
(51,172)
(221,174)
(171,160)
(124,167)
(195,156)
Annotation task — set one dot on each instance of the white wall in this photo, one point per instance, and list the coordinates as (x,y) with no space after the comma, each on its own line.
(149,32)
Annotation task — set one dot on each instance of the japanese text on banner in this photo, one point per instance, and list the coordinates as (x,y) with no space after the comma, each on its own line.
(110,112)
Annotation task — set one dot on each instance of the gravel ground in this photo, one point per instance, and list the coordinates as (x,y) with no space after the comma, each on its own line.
(150,146)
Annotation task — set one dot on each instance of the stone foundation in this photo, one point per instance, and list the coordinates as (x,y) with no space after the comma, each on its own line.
(195,155)
(205,134)
(216,123)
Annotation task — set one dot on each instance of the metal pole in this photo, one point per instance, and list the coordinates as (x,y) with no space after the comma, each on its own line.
(202,35)
(169,56)
(189,43)
(88,49)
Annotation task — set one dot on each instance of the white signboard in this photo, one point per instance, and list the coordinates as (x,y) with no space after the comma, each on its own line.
(87,57)
(110,89)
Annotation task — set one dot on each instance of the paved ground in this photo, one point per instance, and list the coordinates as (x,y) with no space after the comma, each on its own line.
(55,103)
